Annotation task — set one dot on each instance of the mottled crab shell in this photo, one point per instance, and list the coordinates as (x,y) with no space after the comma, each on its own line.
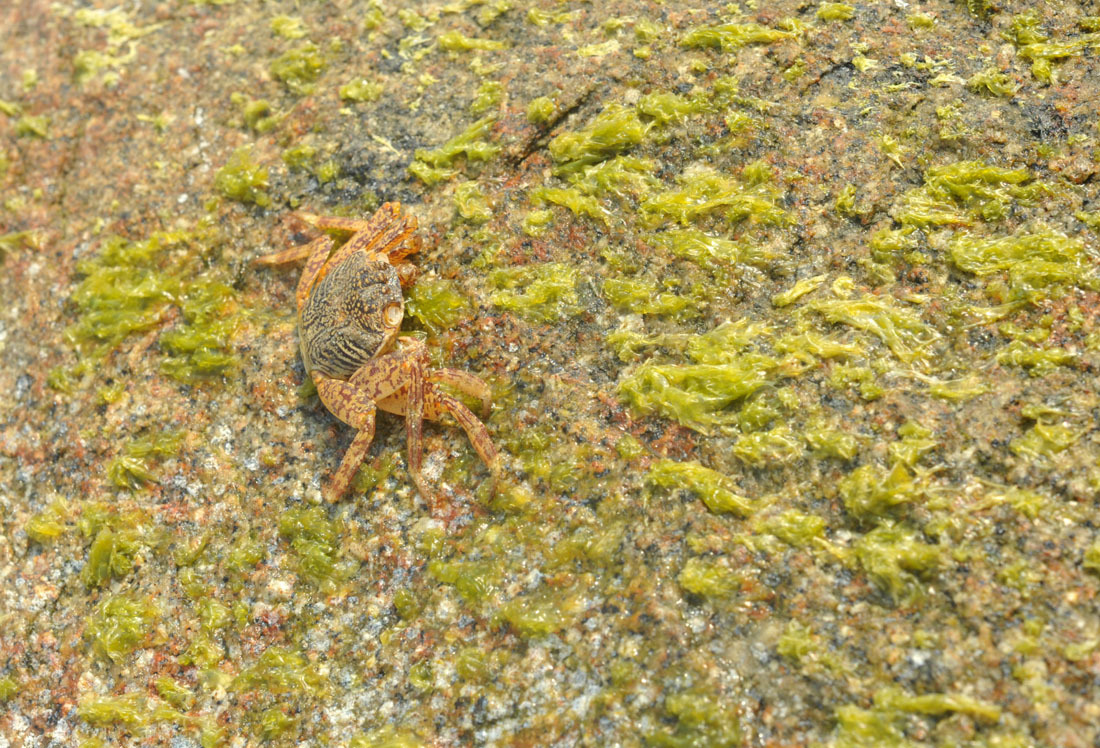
(350,316)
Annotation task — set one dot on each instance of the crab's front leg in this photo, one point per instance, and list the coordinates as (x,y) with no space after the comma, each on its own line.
(402,376)
(355,408)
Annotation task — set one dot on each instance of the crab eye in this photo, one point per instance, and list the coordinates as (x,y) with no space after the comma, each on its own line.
(392,315)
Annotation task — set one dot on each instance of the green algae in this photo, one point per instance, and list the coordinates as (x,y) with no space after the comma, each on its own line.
(897,560)
(361,91)
(388,737)
(174,693)
(120,625)
(541,110)
(9,687)
(475,581)
(243,180)
(274,723)
(1037,262)
(117,539)
(437,303)
(703,190)
(776,446)
(438,164)
(613,131)
(471,203)
(539,293)
(315,540)
(489,96)
(133,287)
(454,41)
(32,126)
(711,251)
(830,12)
(643,297)
(993,82)
(573,199)
(697,395)
(901,329)
(702,718)
(135,710)
(870,491)
(299,68)
(730,37)
(716,490)
(281,671)
(536,223)
(795,528)
(1046,440)
(708,577)
(131,469)
(49,524)
(1038,362)
(541,613)
(830,442)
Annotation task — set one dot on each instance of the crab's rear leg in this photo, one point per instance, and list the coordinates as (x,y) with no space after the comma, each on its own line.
(465,383)
(389,233)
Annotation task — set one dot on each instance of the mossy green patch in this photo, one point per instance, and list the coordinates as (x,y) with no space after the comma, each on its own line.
(361,90)
(454,41)
(299,68)
(835,12)
(717,490)
(437,303)
(643,297)
(120,625)
(901,329)
(613,131)
(281,671)
(49,524)
(243,180)
(702,718)
(898,560)
(437,164)
(871,491)
(471,203)
(730,37)
(316,542)
(540,293)
(795,528)
(1037,262)
(703,190)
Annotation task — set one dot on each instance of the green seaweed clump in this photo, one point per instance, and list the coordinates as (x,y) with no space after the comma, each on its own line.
(895,558)
(870,491)
(835,12)
(703,191)
(710,251)
(1038,361)
(732,36)
(132,709)
(614,130)
(454,41)
(120,625)
(49,524)
(541,613)
(992,81)
(540,110)
(316,542)
(471,203)
(1036,262)
(242,179)
(433,166)
(698,395)
(437,303)
(539,293)
(361,90)
(299,68)
(117,540)
(902,330)
(641,297)
(708,577)
(717,490)
(475,581)
(702,719)
(9,686)
(281,671)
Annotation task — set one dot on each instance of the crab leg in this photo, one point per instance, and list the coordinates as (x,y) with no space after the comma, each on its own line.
(356,409)
(437,403)
(466,383)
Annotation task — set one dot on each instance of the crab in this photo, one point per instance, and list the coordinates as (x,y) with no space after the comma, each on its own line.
(350,309)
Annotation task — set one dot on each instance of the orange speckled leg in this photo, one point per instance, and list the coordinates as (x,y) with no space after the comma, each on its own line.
(436,403)
(317,251)
(357,410)
(466,383)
